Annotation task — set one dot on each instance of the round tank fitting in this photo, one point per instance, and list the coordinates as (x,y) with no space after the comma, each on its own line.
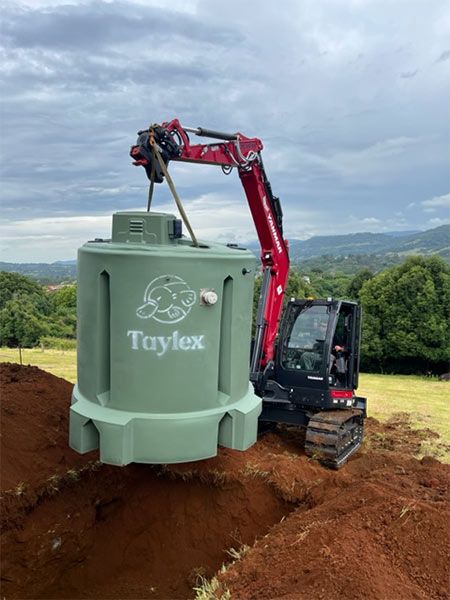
(209,296)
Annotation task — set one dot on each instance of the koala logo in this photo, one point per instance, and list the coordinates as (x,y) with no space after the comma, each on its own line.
(167,299)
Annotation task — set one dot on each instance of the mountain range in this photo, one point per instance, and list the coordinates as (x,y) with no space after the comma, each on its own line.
(348,253)
(432,241)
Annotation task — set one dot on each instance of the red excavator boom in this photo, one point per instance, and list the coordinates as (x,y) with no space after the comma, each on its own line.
(243,153)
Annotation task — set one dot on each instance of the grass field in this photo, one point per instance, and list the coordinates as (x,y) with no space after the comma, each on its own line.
(427,401)
(59,362)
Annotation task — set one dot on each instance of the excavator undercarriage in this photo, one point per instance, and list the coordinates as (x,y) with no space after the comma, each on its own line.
(333,436)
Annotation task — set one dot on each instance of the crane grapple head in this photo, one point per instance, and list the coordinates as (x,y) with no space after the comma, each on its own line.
(143,155)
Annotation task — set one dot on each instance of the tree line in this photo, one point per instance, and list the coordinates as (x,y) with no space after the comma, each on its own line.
(30,314)
(406,312)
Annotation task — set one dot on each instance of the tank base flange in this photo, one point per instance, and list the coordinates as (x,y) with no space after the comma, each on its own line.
(124,437)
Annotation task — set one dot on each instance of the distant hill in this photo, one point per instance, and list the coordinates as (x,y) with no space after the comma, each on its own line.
(351,252)
(345,253)
(432,241)
(351,264)
(45,273)
(402,233)
(339,245)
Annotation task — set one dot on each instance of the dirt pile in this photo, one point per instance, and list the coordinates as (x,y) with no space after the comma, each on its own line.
(34,426)
(76,529)
(384,535)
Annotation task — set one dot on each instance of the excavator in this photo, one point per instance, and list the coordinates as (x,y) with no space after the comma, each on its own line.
(305,353)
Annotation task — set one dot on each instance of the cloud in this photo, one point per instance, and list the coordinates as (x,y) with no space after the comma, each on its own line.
(437,222)
(379,162)
(49,239)
(409,74)
(101,24)
(444,56)
(370,221)
(437,202)
(343,132)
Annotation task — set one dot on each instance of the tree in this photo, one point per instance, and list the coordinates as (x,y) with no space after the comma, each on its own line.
(28,312)
(298,287)
(406,315)
(21,324)
(328,285)
(13,285)
(64,317)
(66,298)
(356,283)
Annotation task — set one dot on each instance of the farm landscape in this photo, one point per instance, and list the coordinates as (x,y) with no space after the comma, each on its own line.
(239,389)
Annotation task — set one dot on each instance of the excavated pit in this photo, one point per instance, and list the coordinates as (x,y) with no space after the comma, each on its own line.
(133,533)
(73,528)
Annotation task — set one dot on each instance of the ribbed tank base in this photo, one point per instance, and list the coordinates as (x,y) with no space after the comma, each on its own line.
(125,437)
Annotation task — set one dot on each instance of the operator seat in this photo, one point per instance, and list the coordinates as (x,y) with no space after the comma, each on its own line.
(310,361)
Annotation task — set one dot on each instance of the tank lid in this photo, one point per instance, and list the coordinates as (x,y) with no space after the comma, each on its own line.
(145,228)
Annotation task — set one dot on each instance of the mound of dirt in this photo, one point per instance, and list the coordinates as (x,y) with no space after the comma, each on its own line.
(74,528)
(34,430)
(35,420)
(385,535)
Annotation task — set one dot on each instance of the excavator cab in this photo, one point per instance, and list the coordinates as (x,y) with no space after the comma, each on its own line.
(313,378)
(318,346)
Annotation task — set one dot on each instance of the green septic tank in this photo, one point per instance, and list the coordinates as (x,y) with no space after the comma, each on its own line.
(163,345)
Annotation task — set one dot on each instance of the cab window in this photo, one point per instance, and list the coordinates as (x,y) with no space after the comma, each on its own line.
(304,345)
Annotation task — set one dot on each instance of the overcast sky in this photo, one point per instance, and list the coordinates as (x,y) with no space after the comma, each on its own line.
(350,97)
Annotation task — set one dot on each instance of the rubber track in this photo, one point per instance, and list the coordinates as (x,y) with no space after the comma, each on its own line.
(333,436)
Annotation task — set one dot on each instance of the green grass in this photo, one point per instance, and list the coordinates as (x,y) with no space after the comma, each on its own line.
(62,363)
(427,401)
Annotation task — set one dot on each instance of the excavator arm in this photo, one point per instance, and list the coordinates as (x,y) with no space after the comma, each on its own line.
(233,151)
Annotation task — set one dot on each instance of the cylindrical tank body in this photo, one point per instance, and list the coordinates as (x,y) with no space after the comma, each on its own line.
(163,345)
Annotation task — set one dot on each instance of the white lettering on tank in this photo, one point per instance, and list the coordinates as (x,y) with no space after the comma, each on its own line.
(148,342)
(135,339)
(175,340)
(162,344)
(185,343)
(197,342)
(164,341)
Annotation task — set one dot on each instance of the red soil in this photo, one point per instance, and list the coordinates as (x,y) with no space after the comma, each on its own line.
(34,426)
(73,528)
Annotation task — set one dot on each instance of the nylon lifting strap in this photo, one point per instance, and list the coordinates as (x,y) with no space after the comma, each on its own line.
(152,185)
(175,194)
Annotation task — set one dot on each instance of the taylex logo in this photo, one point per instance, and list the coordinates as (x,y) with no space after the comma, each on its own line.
(160,344)
(167,299)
